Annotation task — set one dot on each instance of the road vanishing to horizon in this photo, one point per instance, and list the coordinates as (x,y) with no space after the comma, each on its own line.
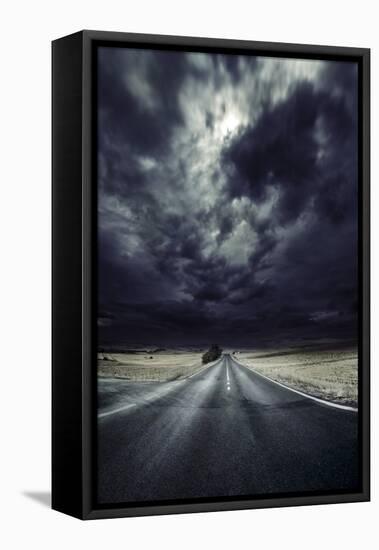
(223,432)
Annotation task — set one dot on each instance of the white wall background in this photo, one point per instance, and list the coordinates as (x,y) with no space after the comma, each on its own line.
(26,31)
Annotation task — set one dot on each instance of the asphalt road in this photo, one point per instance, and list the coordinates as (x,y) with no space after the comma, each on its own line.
(225,431)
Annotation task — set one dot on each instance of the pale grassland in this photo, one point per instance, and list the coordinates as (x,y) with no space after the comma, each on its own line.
(326,373)
(149,366)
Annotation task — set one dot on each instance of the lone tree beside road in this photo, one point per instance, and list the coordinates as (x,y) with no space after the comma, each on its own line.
(212,354)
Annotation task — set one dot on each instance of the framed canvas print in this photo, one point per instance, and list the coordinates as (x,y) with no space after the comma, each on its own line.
(210,274)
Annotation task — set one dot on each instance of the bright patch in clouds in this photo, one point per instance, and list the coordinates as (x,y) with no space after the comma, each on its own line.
(229,125)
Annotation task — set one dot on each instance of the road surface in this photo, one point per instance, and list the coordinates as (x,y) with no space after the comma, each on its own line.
(225,431)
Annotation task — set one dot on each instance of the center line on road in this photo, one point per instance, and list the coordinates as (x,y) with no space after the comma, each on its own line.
(227,378)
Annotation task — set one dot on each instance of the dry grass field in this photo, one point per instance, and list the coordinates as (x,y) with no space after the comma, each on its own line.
(149,365)
(322,371)
(331,374)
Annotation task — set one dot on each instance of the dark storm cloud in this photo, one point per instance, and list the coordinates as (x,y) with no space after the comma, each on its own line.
(232,67)
(304,151)
(131,108)
(283,151)
(227,198)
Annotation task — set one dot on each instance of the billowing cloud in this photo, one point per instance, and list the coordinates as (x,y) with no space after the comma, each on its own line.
(227,198)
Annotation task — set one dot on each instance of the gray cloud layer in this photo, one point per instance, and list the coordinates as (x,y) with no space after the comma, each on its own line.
(227,198)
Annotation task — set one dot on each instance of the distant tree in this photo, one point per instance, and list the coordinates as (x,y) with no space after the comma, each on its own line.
(212,354)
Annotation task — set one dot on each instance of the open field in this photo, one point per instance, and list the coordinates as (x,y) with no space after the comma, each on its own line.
(149,365)
(322,370)
(331,374)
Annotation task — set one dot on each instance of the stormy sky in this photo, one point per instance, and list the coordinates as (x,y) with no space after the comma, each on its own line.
(227,198)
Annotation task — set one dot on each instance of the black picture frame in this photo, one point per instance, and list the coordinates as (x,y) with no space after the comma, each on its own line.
(74,270)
